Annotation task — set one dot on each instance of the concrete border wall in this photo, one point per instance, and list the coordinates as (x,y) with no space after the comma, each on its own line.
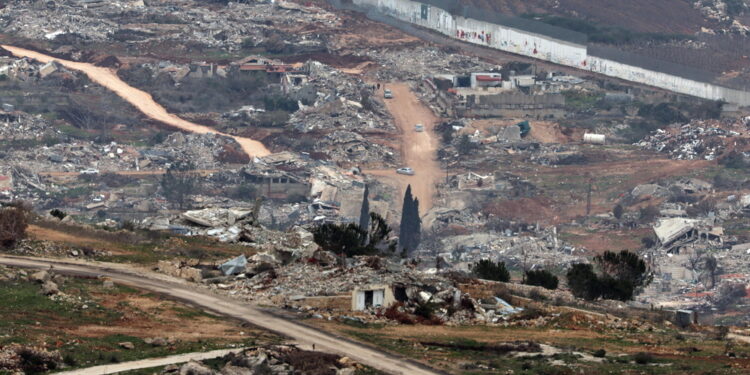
(463,24)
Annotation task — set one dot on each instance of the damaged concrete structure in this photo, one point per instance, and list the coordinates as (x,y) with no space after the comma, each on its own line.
(368,296)
(673,233)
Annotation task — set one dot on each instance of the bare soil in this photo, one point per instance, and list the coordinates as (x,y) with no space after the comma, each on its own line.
(140,99)
(418,149)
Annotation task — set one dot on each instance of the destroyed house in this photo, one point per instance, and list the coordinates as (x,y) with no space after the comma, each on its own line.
(377,296)
(273,68)
(673,233)
(273,183)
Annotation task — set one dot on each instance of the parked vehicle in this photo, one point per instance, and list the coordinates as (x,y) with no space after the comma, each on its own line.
(90,171)
(419,128)
(387,94)
(405,170)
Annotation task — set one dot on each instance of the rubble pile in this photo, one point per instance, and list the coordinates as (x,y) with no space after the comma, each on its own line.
(223,27)
(696,140)
(16,125)
(269,278)
(16,358)
(202,151)
(272,360)
(515,250)
(412,63)
(75,156)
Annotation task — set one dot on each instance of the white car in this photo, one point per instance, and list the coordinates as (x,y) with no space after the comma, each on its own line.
(419,128)
(90,171)
(388,94)
(405,170)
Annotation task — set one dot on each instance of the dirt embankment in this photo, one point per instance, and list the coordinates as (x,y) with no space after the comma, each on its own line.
(138,98)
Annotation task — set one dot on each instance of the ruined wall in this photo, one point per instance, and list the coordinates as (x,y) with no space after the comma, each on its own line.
(446,17)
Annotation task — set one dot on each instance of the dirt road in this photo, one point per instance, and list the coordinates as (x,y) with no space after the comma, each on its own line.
(418,149)
(149,363)
(188,293)
(138,98)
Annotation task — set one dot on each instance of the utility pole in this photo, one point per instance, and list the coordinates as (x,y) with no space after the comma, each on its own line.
(588,195)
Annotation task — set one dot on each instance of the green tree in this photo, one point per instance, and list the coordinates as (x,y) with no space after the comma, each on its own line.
(489,270)
(583,282)
(350,239)
(626,267)
(411,224)
(618,211)
(541,278)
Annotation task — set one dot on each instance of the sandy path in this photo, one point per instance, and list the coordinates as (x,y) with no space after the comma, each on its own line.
(138,98)
(304,336)
(418,150)
(149,363)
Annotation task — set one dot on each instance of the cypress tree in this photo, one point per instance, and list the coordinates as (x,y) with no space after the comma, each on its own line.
(406,220)
(364,212)
(416,225)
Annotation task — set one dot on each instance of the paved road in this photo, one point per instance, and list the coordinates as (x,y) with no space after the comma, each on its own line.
(149,363)
(303,335)
(138,98)
(418,149)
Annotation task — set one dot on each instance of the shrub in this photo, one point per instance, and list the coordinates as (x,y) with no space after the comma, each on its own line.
(618,211)
(394,312)
(70,361)
(489,270)
(13,224)
(58,214)
(583,282)
(600,353)
(623,274)
(542,278)
(643,358)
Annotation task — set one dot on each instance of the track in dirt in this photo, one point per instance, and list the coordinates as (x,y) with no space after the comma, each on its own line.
(138,98)
(418,149)
(177,289)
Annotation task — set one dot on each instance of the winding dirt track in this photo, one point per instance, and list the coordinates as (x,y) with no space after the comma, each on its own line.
(185,292)
(138,98)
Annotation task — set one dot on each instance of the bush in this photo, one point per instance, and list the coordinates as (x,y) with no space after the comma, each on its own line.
(583,282)
(70,361)
(600,353)
(489,270)
(13,224)
(542,278)
(58,214)
(643,358)
(618,211)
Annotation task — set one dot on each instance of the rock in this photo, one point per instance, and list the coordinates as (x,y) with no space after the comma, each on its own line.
(236,370)
(158,341)
(346,371)
(49,288)
(39,277)
(108,284)
(127,345)
(195,368)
